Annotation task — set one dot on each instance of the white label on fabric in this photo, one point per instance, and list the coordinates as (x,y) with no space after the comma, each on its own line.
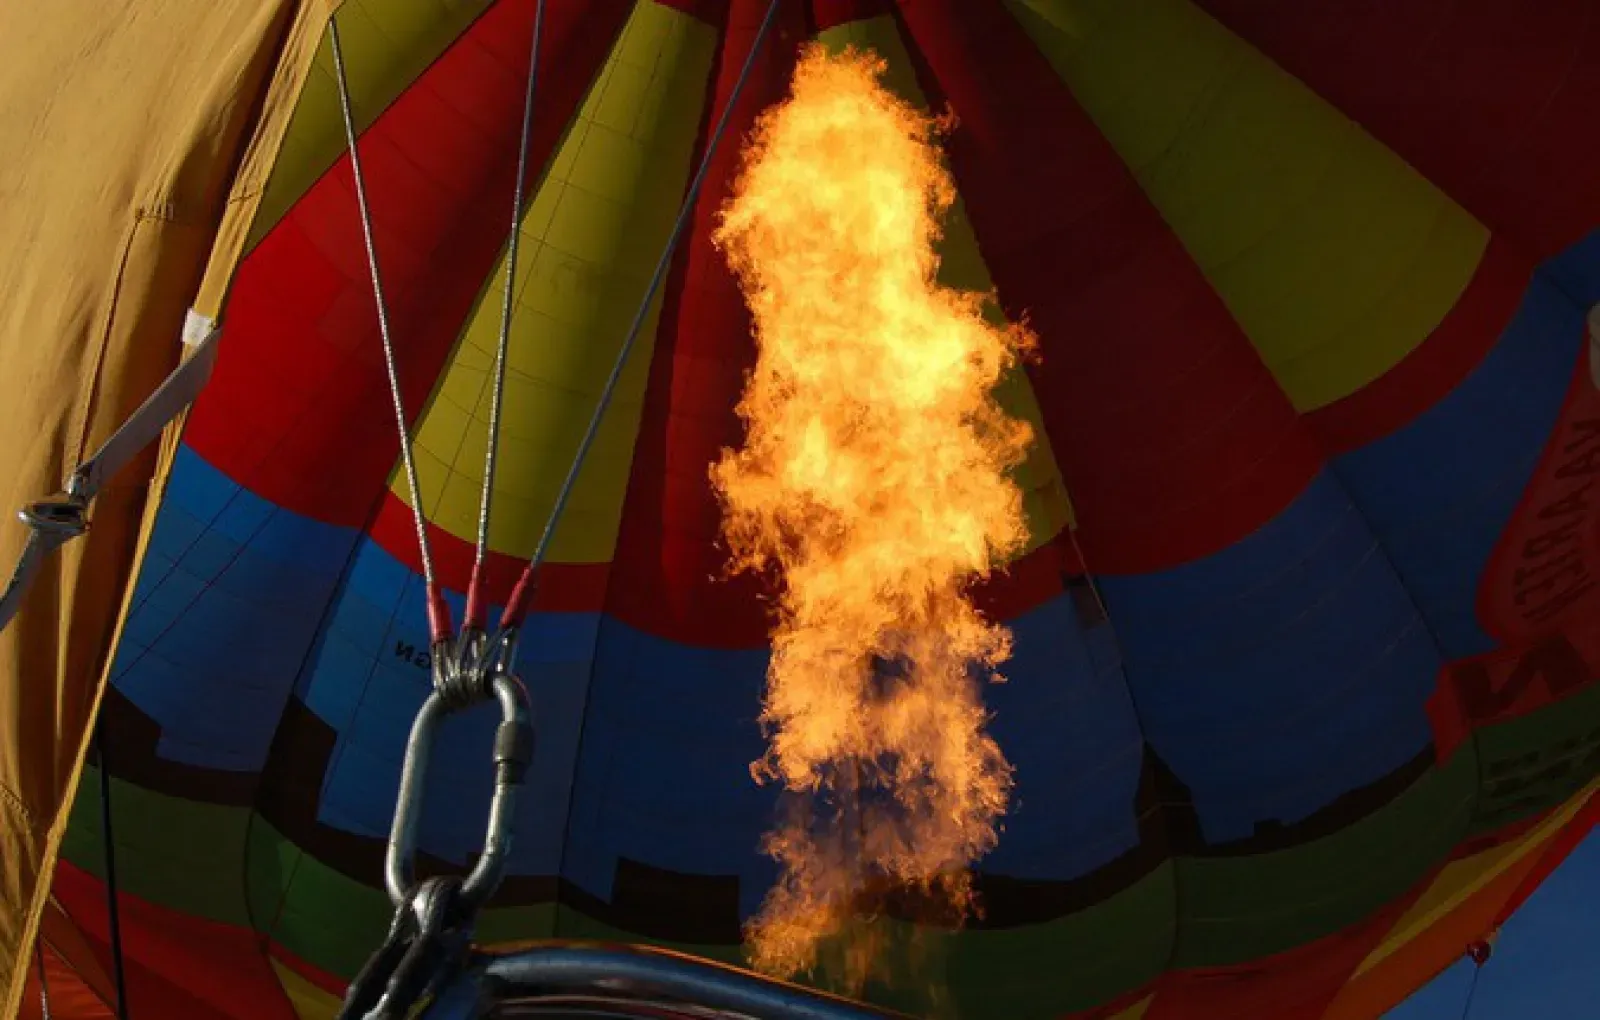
(197,327)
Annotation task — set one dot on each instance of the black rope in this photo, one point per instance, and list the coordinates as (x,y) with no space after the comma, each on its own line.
(111,870)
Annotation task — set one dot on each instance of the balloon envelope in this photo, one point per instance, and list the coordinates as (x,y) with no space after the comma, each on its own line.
(1303,690)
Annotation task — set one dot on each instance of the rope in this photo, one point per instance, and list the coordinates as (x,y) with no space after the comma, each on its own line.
(114,915)
(475,607)
(516,607)
(438,612)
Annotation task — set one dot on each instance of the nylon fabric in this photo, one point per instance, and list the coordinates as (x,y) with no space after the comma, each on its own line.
(1306,681)
(130,166)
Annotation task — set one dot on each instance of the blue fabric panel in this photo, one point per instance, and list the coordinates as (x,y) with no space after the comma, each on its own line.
(225,610)
(663,769)
(663,772)
(1066,723)
(1282,672)
(370,675)
(1438,493)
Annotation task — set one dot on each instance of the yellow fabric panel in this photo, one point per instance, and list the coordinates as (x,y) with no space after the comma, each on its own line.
(1422,952)
(1334,255)
(134,135)
(310,1001)
(590,239)
(962,268)
(1459,880)
(387,44)
(1434,950)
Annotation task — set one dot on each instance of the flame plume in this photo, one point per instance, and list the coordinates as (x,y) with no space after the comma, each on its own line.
(875,478)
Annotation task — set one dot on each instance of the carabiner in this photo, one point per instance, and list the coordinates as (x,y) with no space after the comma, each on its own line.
(513,751)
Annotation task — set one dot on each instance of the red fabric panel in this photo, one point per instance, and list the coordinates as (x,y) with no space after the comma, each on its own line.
(1541,576)
(563,587)
(77,985)
(1493,100)
(1034,579)
(1425,376)
(69,997)
(670,574)
(669,570)
(298,408)
(176,965)
(1171,434)
(1510,683)
(826,14)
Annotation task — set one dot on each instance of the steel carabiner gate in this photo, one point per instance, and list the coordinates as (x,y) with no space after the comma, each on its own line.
(513,752)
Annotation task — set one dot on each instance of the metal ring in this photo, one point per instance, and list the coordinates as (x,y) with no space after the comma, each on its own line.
(513,751)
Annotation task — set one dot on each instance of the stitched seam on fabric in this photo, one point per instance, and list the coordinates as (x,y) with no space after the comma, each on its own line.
(17,804)
(91,395)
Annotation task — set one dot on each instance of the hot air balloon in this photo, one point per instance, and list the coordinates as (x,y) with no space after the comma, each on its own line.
(1302,697)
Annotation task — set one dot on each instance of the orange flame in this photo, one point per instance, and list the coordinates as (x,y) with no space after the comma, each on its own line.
(875,476)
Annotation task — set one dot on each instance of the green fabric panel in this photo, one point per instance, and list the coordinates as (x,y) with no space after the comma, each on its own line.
(1240,908)
(320,915)
(181,854)
(1071,963)
(1533,763)
(186,855)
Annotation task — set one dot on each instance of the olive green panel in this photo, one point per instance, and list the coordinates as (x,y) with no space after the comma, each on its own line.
(1535,762)
(181,854)
(1246,907)
(1074,962)
(387,44)
(592,233)
(1334,254)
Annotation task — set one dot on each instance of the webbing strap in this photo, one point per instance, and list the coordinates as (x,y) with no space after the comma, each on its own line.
(33,555)
(59,520)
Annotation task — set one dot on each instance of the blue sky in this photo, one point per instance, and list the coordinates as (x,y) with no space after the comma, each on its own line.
(1546,965)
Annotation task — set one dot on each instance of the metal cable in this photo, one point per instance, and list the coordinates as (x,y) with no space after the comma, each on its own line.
(44,982)
(516,608)
(475,607)
(1472,992)
(406,456)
